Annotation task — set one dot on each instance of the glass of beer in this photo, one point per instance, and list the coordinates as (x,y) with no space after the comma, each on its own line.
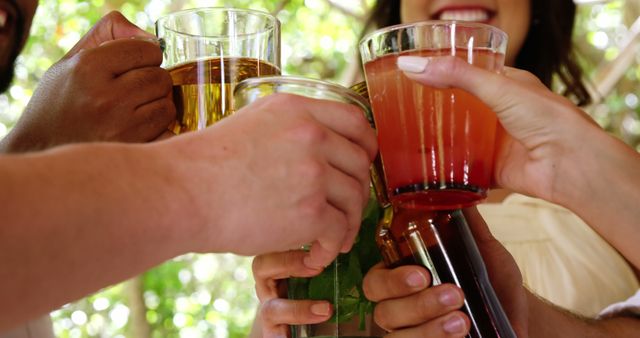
(208,51)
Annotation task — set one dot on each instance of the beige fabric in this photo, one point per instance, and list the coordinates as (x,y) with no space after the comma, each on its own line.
(39,328)
(561,258)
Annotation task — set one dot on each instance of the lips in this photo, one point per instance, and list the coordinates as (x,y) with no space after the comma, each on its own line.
(475,14)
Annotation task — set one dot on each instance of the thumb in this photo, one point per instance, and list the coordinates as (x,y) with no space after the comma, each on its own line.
(515,96)
(111,27)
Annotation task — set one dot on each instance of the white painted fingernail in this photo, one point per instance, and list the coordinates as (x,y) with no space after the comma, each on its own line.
(413,64)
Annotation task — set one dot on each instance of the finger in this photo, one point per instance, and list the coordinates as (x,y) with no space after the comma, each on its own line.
(327,246)
(166,134)
(112,26)
(120,56)
(269,267)
(148,84)
(154,118)
(426,305)
(280,311)
(507,97)
(453,325)
(494,89)
(381,283)
(345,193)
(477,225)
(346,120)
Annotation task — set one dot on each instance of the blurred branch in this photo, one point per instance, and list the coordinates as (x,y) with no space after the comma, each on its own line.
(280,7)
(608,74)
(140,327)
(346,11)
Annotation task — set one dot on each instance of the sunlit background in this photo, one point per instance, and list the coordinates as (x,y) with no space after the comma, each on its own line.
(212,295)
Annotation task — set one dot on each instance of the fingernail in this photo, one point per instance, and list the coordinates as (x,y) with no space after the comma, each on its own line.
(416,280)
(413,64)
(454,325)
(321,309)
(449,298)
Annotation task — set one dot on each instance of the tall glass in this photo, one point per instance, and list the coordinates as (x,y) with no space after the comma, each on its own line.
(341,282)
(437,149)
(208,51)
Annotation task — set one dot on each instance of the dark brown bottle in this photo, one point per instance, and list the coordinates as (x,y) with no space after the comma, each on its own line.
(442,242)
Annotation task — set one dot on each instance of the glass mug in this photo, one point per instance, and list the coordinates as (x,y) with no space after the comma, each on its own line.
(436,147)
(341,282)
(208,51)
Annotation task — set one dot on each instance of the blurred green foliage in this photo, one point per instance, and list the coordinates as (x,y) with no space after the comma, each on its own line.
(212,295)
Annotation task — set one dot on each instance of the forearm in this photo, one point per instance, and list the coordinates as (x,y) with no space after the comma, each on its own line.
(548,321)
(78,219)
(601,184)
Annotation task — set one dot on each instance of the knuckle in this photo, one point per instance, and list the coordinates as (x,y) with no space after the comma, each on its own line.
(81,64)
(425,303)
(269,310)
(313,170)
(380,317)
(313,207)
(309,133)
(257,266)
(114,16)
(369,288)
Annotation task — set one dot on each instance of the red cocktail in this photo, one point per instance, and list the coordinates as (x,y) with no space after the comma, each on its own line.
(436,144)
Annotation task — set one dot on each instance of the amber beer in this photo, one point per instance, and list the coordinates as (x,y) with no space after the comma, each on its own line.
(203,89)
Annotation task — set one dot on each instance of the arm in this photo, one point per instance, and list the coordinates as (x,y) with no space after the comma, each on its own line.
(69,230)
(561,323)
(272,177)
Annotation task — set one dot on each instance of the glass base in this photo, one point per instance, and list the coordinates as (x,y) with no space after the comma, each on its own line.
(439,199)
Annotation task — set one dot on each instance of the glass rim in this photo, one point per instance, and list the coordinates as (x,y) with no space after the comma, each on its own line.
(274,21)
(469,24)
(350,94)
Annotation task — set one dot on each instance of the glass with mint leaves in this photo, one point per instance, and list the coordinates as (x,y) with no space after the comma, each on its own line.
(340,283)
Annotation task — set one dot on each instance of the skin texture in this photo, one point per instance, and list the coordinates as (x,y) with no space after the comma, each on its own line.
(281,172)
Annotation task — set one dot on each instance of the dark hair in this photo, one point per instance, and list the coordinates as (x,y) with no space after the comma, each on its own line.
(547,49)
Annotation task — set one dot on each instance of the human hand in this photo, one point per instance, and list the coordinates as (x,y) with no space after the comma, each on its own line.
(276,312)
(407,307)
(109,87)
(543,129)
(280,173)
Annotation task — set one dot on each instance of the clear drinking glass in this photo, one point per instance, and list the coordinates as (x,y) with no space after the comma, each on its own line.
(341,282)
(436,144)
(437,149)
(208,51)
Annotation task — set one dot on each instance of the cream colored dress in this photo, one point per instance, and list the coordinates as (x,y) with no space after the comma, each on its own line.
(561,258)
